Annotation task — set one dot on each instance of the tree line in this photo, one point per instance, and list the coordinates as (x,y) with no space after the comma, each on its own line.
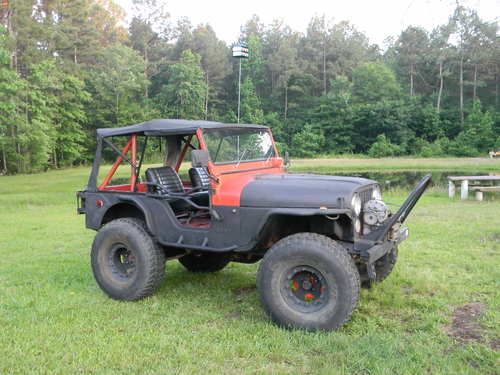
(68,67)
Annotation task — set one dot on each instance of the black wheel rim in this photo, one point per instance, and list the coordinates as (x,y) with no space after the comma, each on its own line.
(122,262)
(305,289)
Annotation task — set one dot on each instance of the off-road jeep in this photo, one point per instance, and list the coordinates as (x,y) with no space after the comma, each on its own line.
(319,237)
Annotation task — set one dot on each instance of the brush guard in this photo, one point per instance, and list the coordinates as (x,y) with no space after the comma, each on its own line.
(381,241)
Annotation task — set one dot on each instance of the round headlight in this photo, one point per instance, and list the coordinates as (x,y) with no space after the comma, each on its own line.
(356,204)
(376,194)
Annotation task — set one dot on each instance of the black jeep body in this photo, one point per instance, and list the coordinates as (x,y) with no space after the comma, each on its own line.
(239,204)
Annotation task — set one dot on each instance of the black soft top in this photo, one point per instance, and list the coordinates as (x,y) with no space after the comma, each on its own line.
(161,127)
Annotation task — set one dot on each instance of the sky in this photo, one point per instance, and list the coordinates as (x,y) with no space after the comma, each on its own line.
(378,19)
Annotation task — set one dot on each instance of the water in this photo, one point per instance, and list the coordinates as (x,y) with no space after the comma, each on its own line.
(408,179)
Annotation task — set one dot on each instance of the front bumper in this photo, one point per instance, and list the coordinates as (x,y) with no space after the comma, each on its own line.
(378,251)
(381,241)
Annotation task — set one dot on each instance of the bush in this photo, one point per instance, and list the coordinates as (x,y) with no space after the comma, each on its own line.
(308,142)
(426,149)
(461,146)
(383,148)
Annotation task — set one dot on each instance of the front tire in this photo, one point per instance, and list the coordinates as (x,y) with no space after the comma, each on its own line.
(127,263)
(308,281)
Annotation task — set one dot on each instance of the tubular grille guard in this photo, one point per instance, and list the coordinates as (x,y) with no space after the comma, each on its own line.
(400,216)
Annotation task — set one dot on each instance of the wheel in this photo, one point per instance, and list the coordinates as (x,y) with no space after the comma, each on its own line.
(308,281)
(383,268)
(127,263)
(204,262)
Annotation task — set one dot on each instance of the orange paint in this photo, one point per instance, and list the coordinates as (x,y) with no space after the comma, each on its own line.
(234,177)
(115,166)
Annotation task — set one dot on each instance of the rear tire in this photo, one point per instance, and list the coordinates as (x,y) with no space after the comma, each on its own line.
(308,281)
(204,262)
(127,263)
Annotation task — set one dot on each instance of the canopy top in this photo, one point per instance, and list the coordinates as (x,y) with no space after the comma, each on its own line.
(160,127)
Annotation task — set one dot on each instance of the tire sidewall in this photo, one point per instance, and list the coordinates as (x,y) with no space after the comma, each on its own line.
(135,239)
(340,289)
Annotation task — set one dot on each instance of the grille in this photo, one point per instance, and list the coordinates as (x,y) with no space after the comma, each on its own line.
(365,196)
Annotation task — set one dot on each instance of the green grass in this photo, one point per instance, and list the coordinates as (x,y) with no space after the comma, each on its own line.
(345,164)
(55,319)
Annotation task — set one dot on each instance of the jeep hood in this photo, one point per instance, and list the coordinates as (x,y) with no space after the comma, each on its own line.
(301,191)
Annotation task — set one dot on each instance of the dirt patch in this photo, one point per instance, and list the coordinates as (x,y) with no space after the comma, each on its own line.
(240,293)
(465,327)
(495,344)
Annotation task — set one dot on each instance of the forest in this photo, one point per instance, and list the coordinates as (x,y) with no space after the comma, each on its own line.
(68,67)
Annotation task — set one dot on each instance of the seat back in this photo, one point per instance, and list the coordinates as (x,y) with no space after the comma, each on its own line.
(166,178)
(199,178)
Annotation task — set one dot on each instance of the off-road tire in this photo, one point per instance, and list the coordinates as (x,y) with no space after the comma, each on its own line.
(204,262)
(148,258)
(383,268)
(336,269)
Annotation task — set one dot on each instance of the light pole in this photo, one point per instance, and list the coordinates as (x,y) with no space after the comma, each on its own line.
(240,51)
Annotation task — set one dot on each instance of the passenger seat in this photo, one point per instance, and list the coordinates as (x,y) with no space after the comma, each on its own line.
(199,178)
(166,179)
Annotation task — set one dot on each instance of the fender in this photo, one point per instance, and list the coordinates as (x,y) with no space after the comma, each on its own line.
(133,200)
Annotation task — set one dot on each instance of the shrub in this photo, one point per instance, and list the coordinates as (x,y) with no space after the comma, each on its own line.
(308,142)
(383,148)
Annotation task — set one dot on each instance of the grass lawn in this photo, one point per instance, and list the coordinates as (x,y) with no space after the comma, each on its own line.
(344,164)
(437,313)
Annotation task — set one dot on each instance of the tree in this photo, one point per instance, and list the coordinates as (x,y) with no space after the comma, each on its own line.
(478,129)
(334,115)
(254,67)
(469,31)
(251,111)
(117,85)
(374,82)
(183,96)
(283,64)
(412,46)
(11,104)
(149,28)
(214,61)
(308,142)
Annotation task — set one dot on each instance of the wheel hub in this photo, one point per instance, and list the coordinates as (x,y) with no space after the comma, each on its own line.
(305,289)
(122,262)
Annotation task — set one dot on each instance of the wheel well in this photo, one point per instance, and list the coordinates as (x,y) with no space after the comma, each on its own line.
(122,210)
(280,226)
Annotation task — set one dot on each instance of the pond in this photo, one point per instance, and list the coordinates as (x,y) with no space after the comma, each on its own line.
(408,179)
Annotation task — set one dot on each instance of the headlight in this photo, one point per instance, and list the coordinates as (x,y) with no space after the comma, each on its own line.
(356,204)
(376,194)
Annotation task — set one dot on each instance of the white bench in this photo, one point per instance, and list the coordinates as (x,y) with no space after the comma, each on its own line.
(464,184)
(484,189)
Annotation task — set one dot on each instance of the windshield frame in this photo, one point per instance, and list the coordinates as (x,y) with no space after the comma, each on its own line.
(274,155)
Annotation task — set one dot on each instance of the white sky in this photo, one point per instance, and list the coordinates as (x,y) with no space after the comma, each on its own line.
(378,19)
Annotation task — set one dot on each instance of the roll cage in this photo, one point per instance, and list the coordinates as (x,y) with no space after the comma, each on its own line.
(178,135)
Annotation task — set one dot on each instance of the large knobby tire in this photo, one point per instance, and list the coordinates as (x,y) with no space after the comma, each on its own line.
(308,281)
(383,268)
(204,262)
(127,263)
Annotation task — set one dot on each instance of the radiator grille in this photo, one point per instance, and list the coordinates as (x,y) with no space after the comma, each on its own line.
(365,196)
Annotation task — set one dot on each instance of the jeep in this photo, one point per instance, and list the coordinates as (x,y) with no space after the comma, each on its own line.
(319,237)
